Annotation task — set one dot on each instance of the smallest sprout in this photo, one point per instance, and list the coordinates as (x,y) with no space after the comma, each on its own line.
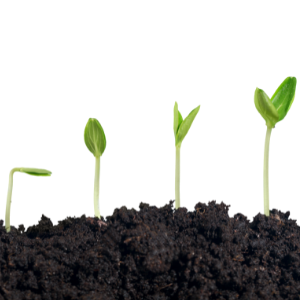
(30,171)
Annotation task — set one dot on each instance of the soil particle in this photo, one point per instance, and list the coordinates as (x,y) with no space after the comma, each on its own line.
(153,254)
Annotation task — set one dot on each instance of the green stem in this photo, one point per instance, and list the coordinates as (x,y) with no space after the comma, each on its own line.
(177,178)
(8,201)
(96,188)
(266,172)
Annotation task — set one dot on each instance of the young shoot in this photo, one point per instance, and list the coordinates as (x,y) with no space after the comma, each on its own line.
(95,141)
(181,128)
(273,110)
(30,171)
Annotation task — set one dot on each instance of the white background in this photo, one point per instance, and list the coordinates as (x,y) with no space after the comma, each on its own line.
(126,63)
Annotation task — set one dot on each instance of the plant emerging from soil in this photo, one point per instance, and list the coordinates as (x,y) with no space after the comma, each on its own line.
(95,141)
(30,171)
(181,128)
(273,110)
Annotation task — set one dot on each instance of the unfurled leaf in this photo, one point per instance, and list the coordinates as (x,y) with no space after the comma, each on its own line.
(265,107)
(284,96)
(184,125)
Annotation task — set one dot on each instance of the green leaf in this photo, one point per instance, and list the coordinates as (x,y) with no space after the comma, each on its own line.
(177,119)
(35,172)
(185,125)
(180,119)
(284,96)
(175,123)
(94,137)
(265,107)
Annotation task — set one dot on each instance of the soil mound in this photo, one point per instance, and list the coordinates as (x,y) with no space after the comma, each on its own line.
(153,254)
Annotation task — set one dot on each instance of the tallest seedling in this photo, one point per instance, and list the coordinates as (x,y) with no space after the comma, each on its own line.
(95,141)
(181,128)
(273,110)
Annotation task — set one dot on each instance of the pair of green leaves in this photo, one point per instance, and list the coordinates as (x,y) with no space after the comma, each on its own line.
(94,137)
(181,127)
(275,109)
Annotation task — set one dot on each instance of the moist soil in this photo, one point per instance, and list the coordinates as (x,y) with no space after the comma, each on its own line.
(153,254)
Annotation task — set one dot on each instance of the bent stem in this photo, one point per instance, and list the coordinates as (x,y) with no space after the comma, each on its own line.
(177,178)
(8,201)
(96,188)
(266,172)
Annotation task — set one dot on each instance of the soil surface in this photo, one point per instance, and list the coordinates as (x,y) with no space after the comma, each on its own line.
(153,254)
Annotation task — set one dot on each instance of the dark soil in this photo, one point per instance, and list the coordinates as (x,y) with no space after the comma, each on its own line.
(153,254)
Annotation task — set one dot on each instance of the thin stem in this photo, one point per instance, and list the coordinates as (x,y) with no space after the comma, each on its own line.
(96,188)
(177,178)
(8,201)
(266,172)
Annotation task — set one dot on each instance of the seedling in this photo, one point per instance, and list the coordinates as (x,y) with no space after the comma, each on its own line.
(181,128)
(273,110)
(30,171)
(95,141)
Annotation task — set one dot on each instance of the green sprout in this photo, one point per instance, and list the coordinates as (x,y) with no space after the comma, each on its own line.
(273,110)
(30,171)
(181,128)
(95,141)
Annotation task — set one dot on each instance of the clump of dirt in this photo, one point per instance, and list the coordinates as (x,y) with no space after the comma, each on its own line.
(153,254)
